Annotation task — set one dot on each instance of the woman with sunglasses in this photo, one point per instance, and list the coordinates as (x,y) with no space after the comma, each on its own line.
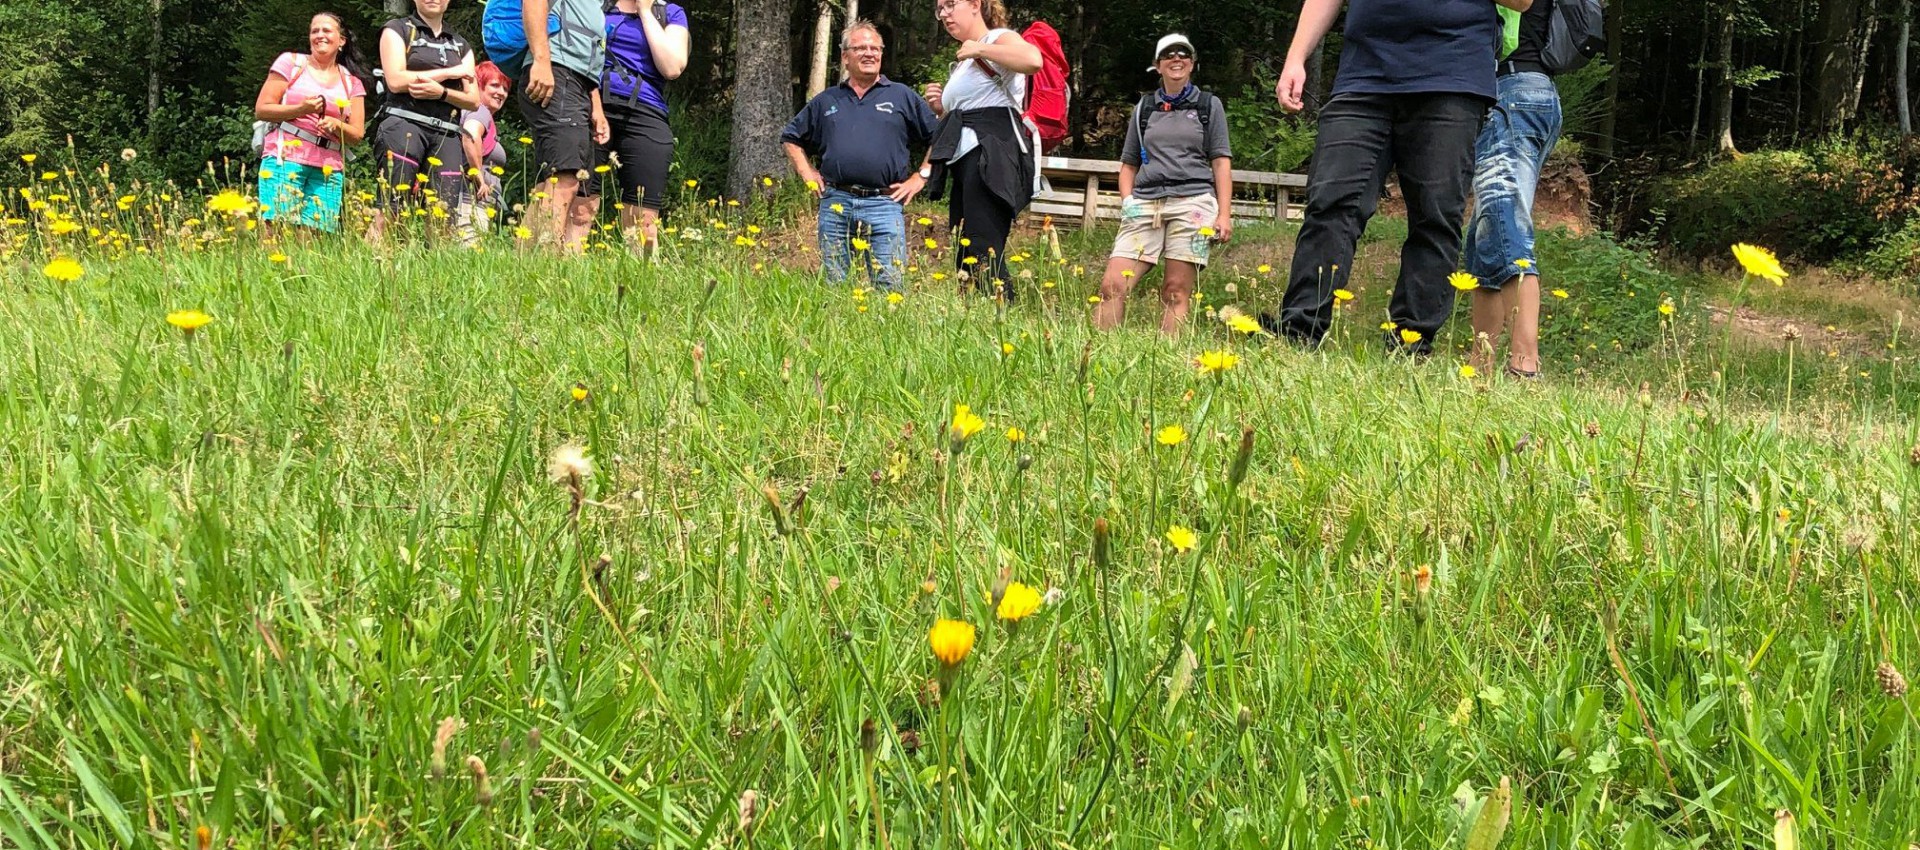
(991,153)
(1176,190)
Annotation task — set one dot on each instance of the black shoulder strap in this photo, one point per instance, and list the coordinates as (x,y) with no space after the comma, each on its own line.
(1144,111)
(1203,103)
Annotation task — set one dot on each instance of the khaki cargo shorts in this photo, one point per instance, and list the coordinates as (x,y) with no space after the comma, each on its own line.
(1166,227)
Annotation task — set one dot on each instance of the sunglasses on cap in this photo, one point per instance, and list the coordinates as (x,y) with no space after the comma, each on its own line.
(1176,53)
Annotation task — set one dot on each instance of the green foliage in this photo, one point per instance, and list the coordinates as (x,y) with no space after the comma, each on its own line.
(1583,102)
(1897,254)
(251,570)
(1266,137)
(1831,200)
(1613,297)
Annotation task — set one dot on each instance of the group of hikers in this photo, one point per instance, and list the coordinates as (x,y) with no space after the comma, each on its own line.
(1450,95)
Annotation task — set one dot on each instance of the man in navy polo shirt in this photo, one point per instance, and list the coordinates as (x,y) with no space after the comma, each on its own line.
(861,130)
(1415,82)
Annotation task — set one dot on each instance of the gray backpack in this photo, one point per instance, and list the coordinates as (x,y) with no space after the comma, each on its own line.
(1576,32)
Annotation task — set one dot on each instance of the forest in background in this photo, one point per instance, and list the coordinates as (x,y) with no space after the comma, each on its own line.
(1818,88)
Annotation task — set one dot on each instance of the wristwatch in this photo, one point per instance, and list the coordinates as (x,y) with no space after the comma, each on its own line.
(926,172)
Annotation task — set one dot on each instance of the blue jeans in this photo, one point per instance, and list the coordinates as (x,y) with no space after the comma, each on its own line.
(1519,134)
(880,223)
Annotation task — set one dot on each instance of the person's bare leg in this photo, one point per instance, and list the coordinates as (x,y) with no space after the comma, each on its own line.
(548,218)
(1121,275)
(1490,310)
(581,212)
(1176,295)
(642,228)
(1524,347)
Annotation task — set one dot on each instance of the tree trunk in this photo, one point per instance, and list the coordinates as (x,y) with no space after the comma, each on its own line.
(1860,63)
(1799,65)
(1839,50)
(822,50)
(154,62)
(853,14)
(1616,45)
(1723,105)
(1316,82)
(1900,68)
(762,90)
(1699,83)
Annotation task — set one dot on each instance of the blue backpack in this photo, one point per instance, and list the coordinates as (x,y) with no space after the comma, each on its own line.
(505,35)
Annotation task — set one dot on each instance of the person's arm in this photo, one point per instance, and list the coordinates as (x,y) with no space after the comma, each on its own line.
(1129,171)
(1009,51)
(1223,194)
(1130,155)
(533,18)
(470,133)
(467,98)
(1316,18)
(602,131)
(393,62)
(803,167)
(353,127)
(267,106)
(670,45)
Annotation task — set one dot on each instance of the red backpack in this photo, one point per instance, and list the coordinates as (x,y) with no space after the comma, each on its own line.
(1047,92)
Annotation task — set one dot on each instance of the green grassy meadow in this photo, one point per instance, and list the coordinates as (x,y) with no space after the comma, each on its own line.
(249,574)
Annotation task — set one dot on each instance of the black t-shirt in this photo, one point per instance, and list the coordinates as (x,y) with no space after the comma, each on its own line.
(1419,47)
(427,50)
(1534,24)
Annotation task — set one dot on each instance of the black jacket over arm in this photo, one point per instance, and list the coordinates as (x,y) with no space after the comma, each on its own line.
(1009,162)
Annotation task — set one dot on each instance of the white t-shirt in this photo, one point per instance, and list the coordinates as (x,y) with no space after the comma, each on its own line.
(969,87)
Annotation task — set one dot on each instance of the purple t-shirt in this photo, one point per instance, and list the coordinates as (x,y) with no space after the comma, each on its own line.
(630,74)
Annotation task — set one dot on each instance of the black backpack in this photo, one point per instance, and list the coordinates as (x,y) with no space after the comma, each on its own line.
(1201,102)
(1576,32)
(617,67)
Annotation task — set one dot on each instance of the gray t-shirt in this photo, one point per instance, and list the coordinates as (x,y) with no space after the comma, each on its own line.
(1180,151)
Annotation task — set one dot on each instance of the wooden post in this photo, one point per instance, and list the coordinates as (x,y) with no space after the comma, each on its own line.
(1282,198)
(1090,208)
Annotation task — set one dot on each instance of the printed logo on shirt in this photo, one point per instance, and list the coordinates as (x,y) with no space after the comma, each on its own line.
(832,109)
(884,106)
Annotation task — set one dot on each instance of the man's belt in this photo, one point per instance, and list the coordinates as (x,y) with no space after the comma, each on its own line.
(860,191)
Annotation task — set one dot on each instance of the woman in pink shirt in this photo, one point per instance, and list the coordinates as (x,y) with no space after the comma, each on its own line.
(317,104)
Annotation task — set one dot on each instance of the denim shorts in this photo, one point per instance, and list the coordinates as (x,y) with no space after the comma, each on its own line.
(1520,132)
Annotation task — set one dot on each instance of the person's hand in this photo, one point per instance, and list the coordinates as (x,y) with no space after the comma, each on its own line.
(540,82)
(1292,85)
(1223,227)
(815,184)
(970,49)
(424,89)
(1132,208)
(904,190)
(315,105)
(484,191)
(601,130)
(331,126)
(932,97)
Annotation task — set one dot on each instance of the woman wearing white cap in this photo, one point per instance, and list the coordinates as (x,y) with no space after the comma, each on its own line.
(1176,190)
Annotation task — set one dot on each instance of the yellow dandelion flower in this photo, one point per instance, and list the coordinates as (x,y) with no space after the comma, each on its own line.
(1342,296)
(895,298)
(861,244)
(966,423)
(951,640)
(932,245)
(1523,263)
(1207,232)
(923,221)
(1760,262)
(1006,348)
(578,391)
(602,168)
(1463,282)
(1263,268)
(838,208)
(1215,362)
(1244,323)
(1126,273)
(62,227)
(1409,336)
(1666,306)
(230,202)
(1182,538)
(277,258)
(63,270)
(1017,603)
(1171,435)
(1467,371)
(766,181)
(188,320)
(1560,293)
(28,158)
(1015,435)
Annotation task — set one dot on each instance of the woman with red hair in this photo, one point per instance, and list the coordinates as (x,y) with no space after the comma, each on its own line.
(486,159)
